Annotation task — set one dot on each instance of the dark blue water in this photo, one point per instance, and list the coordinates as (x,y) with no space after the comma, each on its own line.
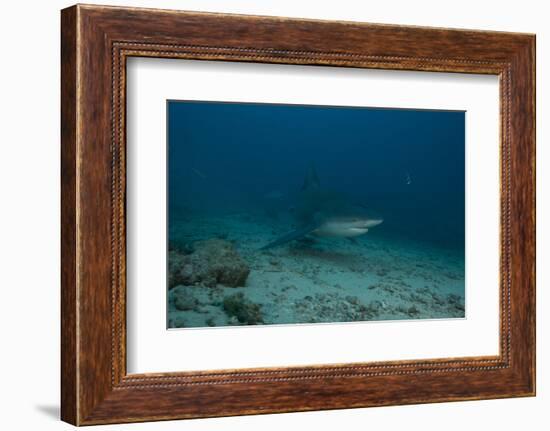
(407,165)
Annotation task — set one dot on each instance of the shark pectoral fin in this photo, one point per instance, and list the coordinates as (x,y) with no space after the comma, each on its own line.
(295,234)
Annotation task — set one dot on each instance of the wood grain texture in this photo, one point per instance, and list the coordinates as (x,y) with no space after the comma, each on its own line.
(96,42)
(69,397)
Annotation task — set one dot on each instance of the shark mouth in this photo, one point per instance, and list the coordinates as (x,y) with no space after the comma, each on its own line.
(340,230)
(358,229)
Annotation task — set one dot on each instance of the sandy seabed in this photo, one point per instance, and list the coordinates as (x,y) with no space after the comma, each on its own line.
(321,281)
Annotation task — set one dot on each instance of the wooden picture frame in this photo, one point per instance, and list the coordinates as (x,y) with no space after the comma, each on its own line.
(96,41)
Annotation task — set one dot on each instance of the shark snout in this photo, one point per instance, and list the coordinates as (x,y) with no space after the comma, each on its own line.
(373,222)
(363,222)
(346,227)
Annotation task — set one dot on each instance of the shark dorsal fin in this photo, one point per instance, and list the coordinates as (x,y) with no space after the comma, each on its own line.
(311,181)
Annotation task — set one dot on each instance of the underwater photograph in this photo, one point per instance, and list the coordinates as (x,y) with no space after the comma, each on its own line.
(304,214)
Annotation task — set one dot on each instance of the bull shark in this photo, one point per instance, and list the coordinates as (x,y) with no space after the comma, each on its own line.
(326,213)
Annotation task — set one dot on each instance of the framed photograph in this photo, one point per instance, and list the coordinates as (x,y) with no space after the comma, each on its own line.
(264,214)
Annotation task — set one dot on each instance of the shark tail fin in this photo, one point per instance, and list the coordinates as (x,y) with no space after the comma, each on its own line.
(311,181)
(295,234)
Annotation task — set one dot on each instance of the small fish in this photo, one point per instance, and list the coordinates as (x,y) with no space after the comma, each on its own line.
(199,173)
(408,179)
(274,195)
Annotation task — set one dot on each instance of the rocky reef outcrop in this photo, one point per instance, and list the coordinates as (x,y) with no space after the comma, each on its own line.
(212,262)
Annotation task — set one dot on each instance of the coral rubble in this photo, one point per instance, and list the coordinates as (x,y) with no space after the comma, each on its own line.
(214,261)
(244,310)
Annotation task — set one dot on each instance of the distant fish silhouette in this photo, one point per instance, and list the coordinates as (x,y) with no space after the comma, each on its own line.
(274,195)
(199,173)
(408,179)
